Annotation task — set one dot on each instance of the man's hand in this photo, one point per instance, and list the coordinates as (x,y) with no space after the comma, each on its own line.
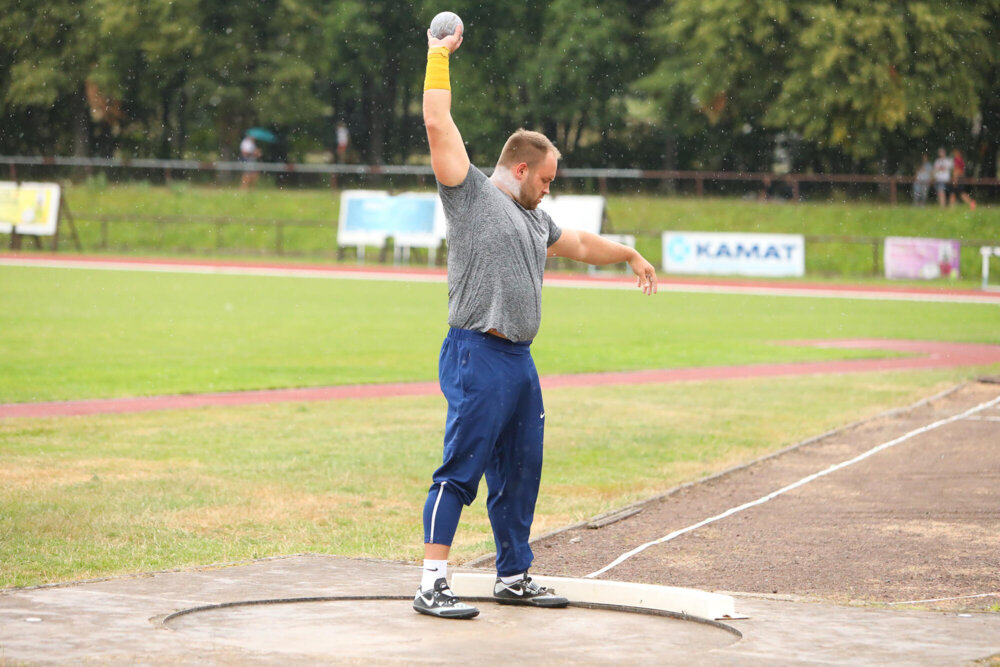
(451,42)
(645,274)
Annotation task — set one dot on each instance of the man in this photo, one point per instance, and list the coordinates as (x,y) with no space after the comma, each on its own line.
(250,153)
(957,186)
(942,176)
(497,244)
(922,181)
(343,139)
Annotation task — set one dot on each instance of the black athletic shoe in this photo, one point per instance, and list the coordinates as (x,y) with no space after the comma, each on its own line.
(442,602)
(527,592)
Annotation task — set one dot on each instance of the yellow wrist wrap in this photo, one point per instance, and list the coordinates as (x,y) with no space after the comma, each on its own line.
(437,69)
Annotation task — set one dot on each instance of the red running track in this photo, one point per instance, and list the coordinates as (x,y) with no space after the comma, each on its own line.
(926,355)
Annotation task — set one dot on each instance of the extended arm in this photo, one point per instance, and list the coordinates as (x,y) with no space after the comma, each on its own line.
(449,159)
(592,249)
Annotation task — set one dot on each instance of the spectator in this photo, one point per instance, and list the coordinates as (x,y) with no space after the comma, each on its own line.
(942,175)
(922,182)
(957,187)
(249,152)
(343,139)
(765,189)
(777,191)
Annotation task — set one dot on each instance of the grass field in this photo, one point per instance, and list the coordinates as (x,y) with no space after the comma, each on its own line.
(90,497)
(94,496)
(89,334)
(645,215)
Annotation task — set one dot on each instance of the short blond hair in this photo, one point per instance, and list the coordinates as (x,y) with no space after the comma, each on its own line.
(528,147)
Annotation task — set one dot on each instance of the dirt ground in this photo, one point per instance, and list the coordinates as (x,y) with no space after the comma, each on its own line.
(915,521)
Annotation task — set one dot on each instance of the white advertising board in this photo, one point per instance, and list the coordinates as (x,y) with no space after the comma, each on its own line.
(30,208)
(584,212)
(718,253)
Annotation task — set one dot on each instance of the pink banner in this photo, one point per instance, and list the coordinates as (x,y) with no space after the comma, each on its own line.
(921,259)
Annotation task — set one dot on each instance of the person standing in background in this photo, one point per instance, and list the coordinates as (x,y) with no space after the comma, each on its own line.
(942,176)
(343,139)
(922,182)
(249,152)
(957,187)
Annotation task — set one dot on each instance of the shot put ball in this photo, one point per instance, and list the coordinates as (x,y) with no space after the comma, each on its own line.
(445,24)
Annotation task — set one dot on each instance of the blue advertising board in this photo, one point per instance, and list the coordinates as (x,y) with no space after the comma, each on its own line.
(401,214)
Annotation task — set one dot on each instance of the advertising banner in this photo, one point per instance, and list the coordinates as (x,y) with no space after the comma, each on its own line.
(369,217)
(921,259)
(584,212)
(718,253)
(30,208)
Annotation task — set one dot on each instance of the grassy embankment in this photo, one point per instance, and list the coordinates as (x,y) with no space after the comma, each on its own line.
(645,215)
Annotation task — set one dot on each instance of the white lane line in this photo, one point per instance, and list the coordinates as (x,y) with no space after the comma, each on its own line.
(984,419)
(803,293)
(210,269)
(805,480)
(960,597)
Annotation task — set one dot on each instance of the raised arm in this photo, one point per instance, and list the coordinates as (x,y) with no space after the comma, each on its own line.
(449,159)
(593,249)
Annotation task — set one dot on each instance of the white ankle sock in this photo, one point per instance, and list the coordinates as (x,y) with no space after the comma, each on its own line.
(512,579)
(433,570)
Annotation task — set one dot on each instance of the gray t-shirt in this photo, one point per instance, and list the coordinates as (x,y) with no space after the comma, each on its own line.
(496,258)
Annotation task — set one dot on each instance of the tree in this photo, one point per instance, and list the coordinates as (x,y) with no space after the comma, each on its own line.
(845,75)
(720,63)
(558,66)
(50,49)
(373,53)
(864,69)
(583,71)
(987,143)
(150,53)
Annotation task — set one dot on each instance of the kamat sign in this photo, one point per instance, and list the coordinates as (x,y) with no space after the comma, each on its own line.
(734,254)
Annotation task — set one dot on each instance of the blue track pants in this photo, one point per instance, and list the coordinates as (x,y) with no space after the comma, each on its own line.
(495,425)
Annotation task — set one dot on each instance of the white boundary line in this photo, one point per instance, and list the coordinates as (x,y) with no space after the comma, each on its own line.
(805,480)
(960,597)
(404,276)
(476,562)
(777,290)
(212,269)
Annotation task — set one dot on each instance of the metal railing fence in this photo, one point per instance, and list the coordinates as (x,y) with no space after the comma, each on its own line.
(694,182)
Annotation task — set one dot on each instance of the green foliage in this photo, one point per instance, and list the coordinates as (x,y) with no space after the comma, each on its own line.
(843,76)
(256,214)
(372,55)
(583,69)
(863,69)
(705,84)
